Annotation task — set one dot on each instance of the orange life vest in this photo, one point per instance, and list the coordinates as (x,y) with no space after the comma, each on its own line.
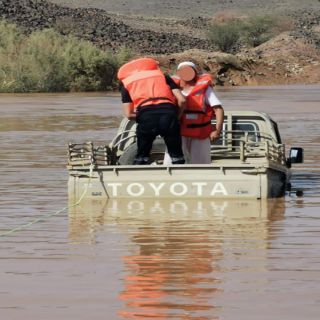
(196,119)
(145,83)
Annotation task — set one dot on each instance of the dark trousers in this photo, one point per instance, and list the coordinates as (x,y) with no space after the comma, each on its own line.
(152,123)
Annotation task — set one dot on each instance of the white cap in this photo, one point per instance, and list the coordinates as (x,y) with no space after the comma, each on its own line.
(187,63)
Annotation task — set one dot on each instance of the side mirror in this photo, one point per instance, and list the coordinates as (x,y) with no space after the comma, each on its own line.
(296,155)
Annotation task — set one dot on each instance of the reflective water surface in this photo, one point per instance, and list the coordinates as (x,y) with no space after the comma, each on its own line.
(142,259)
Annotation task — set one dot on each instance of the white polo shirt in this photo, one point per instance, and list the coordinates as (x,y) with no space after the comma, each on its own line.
(211,98)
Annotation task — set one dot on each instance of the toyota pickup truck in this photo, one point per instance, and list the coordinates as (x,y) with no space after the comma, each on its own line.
(249,161)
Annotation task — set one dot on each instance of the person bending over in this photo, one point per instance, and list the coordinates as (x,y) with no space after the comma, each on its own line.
(154,101)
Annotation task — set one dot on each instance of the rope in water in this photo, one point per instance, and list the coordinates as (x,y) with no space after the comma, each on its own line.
(49,215)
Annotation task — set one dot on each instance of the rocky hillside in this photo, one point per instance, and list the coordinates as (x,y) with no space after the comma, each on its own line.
(291,57)
(96,26)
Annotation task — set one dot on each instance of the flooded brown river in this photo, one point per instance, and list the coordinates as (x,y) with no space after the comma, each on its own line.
(138,259)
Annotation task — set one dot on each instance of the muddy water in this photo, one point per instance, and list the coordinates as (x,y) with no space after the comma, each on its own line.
(152,259)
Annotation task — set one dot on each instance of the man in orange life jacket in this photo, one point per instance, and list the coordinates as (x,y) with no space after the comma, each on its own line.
(153,99)
(202,105)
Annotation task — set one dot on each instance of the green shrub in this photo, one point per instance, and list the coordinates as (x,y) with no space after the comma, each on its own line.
(225,35)
(232,33)
(48,62)
(258,29)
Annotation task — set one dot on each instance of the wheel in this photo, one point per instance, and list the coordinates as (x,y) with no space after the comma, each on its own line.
(156,154)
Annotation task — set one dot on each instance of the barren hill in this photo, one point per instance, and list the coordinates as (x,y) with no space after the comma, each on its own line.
(176,30)
(191,8)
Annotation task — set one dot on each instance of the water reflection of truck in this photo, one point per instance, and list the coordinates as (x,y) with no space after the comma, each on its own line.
(88,217)
(248,161)
(176,249)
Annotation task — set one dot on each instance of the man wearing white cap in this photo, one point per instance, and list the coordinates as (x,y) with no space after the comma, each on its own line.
(202,106)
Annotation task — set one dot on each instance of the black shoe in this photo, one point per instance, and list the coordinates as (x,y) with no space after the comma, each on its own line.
(177,160)
(141,161)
